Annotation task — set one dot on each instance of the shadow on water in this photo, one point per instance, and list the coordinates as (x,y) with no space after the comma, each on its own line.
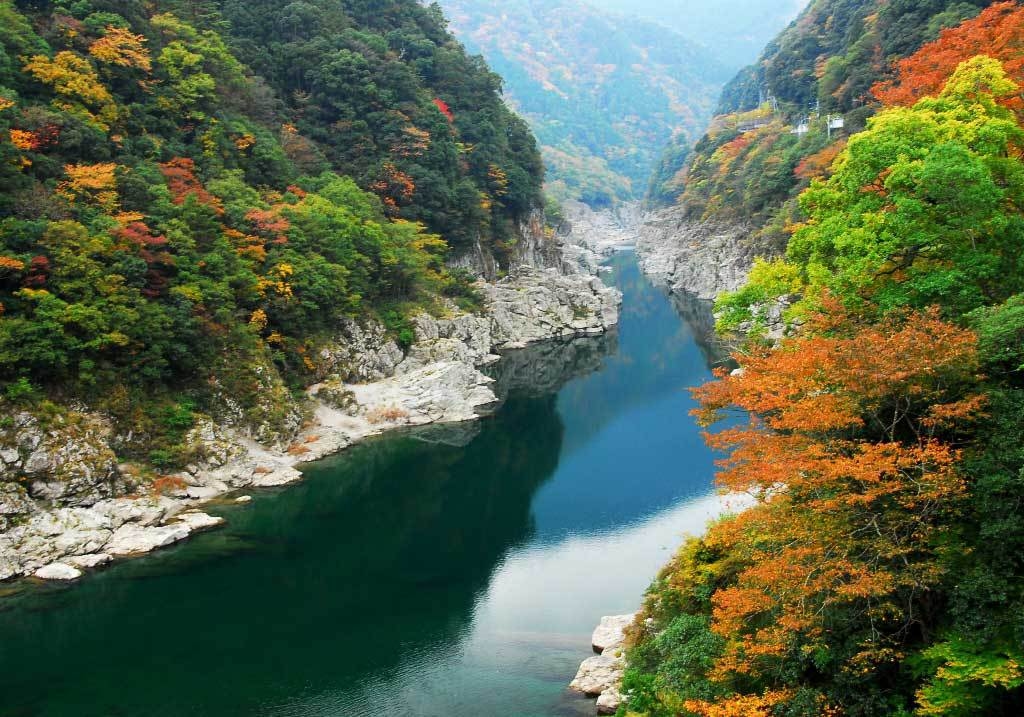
(439,571)
(383,548)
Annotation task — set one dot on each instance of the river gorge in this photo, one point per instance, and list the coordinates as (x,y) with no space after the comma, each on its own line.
(452,570)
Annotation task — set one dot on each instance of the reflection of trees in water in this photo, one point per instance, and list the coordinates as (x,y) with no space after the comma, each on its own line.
(656,356)
(380,554)
(543,369)
(697,313)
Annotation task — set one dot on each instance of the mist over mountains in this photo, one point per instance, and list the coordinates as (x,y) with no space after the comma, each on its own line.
(735,30)
(607,92)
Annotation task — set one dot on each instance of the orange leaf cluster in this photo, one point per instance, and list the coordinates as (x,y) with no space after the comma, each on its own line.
(395,188)
(94,183)
(997,32)
(152,248)
(854,483)
(9,264)
(270,224)
(817,165)
(444,109)
(24,140)
(183,183)
(739,706)
(122,48)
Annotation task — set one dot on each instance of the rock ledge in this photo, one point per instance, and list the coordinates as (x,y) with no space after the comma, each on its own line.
(601,676)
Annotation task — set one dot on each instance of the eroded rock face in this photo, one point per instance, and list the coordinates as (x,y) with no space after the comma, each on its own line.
(361,352)
(535,305)
(465,338)
(15,504)
(701,258)
(533,248)
(589,236)
(68,462)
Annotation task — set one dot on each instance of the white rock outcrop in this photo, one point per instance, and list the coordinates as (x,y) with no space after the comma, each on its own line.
(601,676)
(611,632)
(58,571)
(132,538)
(88,562)
(535,305)
(702,258)
(71,513)
(448,392)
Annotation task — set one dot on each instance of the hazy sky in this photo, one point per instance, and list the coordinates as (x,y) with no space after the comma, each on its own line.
(736,29)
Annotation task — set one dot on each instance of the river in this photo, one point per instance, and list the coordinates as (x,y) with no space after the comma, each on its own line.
(442,572)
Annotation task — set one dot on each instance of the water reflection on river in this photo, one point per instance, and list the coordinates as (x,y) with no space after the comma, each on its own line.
(450,571)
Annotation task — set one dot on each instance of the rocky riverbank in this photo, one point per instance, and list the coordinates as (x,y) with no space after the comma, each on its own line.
(588,236)
(67,505)
(601,676)
(702,258)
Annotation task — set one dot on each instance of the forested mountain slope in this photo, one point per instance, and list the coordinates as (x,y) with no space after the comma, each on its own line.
(193,193)
(604,93)
(751,164)
(879,570)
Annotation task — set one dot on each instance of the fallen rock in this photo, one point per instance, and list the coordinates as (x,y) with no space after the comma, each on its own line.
(132,538)
(611,631)
(58,571)
(243,499)
(284,475)
(202,492)
(199,521)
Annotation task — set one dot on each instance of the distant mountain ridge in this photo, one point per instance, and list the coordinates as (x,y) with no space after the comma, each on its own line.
(604,93)
(735,30)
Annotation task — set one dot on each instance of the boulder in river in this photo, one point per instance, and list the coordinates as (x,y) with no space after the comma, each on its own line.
(58,571)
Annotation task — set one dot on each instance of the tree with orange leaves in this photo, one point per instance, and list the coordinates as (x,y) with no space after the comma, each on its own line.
(997,32)
(122,48)
(183,183)
(851,459)
(94,184)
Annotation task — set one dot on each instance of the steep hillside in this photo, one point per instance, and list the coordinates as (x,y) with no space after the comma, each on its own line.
(878,570)
(772,136)
(193,195)
(604,93)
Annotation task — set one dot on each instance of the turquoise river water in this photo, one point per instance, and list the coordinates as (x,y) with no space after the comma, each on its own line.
(442,572)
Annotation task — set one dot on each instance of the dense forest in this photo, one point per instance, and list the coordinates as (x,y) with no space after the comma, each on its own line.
(193,193)
(603,93)
(879,569)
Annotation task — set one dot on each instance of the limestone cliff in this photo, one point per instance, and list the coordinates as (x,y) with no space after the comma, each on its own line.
(702,258)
